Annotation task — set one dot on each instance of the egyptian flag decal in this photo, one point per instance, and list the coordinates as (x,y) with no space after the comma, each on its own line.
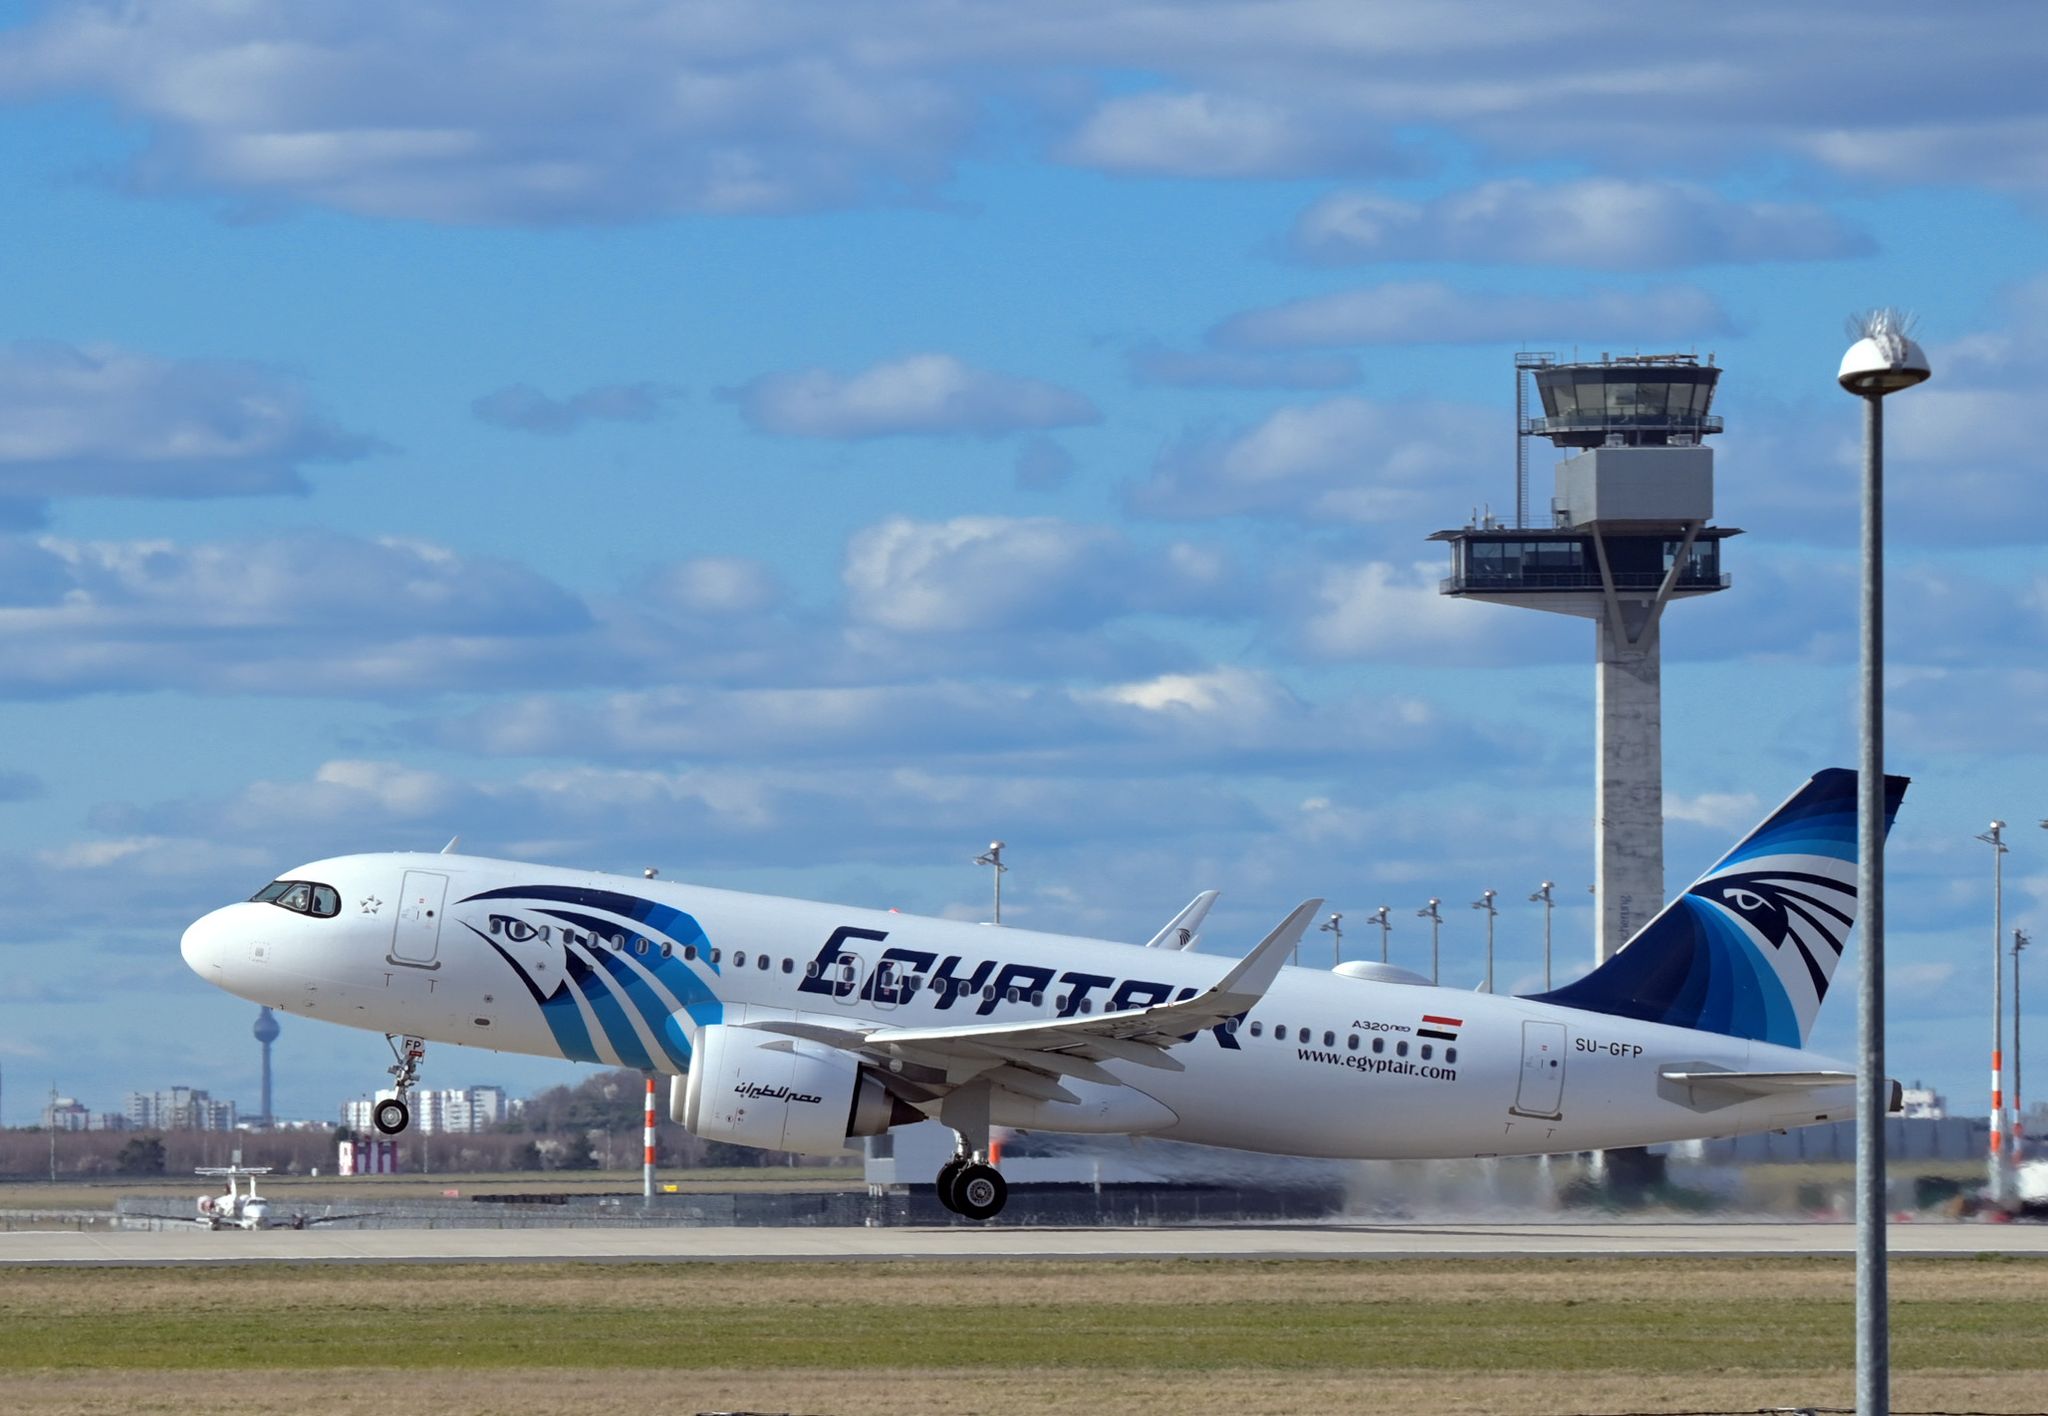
(1445,1029)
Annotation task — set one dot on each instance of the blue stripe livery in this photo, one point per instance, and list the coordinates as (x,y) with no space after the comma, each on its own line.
(1748,951)
(610,981)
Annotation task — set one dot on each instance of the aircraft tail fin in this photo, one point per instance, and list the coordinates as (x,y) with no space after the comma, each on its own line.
(1749,949)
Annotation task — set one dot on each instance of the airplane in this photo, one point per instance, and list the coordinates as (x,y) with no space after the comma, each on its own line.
(243,1208)
(798,1026)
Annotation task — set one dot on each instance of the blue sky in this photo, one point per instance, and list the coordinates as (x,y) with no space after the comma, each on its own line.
(793,445)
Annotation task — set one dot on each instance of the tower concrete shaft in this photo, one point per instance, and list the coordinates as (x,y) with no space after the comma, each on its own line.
(1628,837)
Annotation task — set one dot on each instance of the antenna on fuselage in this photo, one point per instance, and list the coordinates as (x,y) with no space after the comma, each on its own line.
(453,842)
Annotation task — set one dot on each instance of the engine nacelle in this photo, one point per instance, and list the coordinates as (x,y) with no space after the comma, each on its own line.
(781,1093)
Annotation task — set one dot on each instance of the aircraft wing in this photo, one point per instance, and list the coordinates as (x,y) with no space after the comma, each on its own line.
(307,1221)
(1181,930)
(1030,1056)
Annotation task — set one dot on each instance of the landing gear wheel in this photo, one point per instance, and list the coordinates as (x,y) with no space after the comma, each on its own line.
(948,1173)
(391,1116)
(979,1191)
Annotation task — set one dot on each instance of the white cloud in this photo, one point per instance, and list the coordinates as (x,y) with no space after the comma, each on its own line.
(1595,223)
(1378,611)
(715,586)
(920,394)
(1219,135)
(1216,368)
(1726,811)
(974,574)
(558,113)
(1042,465)
(551,113)
(99,420)
(1345,459)
(1429,312)
(527,409)
(301,614)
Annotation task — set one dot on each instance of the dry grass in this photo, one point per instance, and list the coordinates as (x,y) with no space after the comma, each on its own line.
(1020,1392)
(855,1339)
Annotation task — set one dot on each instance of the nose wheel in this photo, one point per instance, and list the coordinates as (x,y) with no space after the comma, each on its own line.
(393,1114)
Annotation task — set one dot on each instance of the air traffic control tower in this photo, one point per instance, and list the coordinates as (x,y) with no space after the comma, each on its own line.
(1626,535)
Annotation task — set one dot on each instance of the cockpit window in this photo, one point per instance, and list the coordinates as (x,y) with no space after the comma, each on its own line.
(302,897)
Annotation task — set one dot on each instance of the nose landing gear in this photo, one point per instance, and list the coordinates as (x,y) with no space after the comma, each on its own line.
(393,1114)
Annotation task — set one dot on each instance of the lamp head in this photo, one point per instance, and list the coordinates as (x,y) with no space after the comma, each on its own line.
(1885,358)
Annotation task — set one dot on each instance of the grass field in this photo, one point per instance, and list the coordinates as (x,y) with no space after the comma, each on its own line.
(1141,1337)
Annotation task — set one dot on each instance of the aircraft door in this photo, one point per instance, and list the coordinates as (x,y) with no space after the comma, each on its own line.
(416,932)
(1541,1092)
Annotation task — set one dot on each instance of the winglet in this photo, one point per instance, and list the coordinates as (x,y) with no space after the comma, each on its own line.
(1256,971)
(1181,930)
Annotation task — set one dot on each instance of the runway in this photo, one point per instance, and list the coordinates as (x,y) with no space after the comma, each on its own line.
(1338,1241)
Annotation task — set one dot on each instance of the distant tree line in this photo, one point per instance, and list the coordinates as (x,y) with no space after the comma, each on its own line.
(595,1124)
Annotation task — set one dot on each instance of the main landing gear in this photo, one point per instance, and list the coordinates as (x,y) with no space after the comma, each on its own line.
(392,1114)
(968,1185)
(972,1188)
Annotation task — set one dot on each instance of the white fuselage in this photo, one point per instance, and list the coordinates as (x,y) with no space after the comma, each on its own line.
(1325,1065)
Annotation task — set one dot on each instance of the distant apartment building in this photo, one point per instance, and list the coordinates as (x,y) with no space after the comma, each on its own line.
(1918,1103)
(66,1113)
(456,1111)
(179,1109)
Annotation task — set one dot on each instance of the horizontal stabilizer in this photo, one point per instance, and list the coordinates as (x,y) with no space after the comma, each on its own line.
(1710,1090)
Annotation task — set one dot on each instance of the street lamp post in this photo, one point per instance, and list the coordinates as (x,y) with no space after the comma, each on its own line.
(1549,904)
(1995,838)
(1334,927)
(1883,360)
(1436,924)
(1386,927)
(1485,902)
(993,858)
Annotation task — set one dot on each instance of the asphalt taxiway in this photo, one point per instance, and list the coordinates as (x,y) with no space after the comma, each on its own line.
(1333,1241)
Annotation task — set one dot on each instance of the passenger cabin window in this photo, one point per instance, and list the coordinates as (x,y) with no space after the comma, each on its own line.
(301,897)
(1258,1028)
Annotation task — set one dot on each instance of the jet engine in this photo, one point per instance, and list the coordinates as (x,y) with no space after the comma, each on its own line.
(781,1093)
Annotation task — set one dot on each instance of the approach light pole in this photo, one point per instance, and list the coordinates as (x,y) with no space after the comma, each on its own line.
(1542,896)
(1386,925)
(1883,360)
(1436,924)
(1485,902)
(1334,927)
(993,858)
(1995,838)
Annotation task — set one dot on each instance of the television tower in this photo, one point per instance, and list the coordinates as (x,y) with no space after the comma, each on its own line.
(1626,535)
(266,1033)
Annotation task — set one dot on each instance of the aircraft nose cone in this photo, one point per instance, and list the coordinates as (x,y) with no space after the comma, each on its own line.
(201,945)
